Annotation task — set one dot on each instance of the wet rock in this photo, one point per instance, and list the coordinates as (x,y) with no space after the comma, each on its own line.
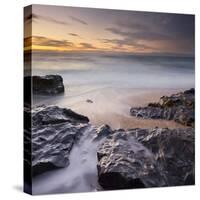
(54,132)
(47,85)
(125,163)
(146,158)
(173,150)
(102,132)
(178,107)
(43,115)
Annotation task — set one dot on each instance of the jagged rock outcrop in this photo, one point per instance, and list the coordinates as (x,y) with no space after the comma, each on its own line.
(53,134)
(173,148)
(140,158)
(125,163)
(178,107)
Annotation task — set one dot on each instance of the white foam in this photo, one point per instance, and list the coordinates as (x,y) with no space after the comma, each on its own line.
(79,176)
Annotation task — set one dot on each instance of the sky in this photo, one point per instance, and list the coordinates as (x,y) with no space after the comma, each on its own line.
(59,28)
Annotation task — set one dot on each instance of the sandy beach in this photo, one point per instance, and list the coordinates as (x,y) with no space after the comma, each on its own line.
(112,106)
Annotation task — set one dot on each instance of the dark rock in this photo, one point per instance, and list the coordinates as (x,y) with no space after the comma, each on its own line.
(47,85)
(125,163)
(178,107)
(153,104)
(53,134)
(173,150)
(190,91)
(44,115)
(189,178)
(146,158)
(89,101)
(27,144)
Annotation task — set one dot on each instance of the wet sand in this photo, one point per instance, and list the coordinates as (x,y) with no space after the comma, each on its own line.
(112,106)
(125,122)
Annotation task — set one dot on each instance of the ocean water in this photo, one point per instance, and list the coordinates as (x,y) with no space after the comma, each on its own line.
(116,70)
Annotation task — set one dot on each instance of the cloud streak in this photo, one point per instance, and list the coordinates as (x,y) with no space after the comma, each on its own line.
(129,24)
(74,34)
(48,42)
(141,35)
(87,45)
(126,42)
(78,20)
(41,41)
(49,19)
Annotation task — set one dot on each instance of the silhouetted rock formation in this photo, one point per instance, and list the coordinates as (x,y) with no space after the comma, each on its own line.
(47,85)
(178,107)
(141,158)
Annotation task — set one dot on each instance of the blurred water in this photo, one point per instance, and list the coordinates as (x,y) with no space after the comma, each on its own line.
(79,176)
(116,70)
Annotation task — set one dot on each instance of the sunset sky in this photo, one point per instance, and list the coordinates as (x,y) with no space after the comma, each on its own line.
(57,28)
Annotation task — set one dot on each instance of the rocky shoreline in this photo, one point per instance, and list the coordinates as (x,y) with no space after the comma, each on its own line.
(142,158)
(178,107)
(133,158)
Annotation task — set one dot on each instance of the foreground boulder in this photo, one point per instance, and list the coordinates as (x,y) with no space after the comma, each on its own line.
(141,158)
(53,134)
(47,85)
(178,107)
(125,163)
